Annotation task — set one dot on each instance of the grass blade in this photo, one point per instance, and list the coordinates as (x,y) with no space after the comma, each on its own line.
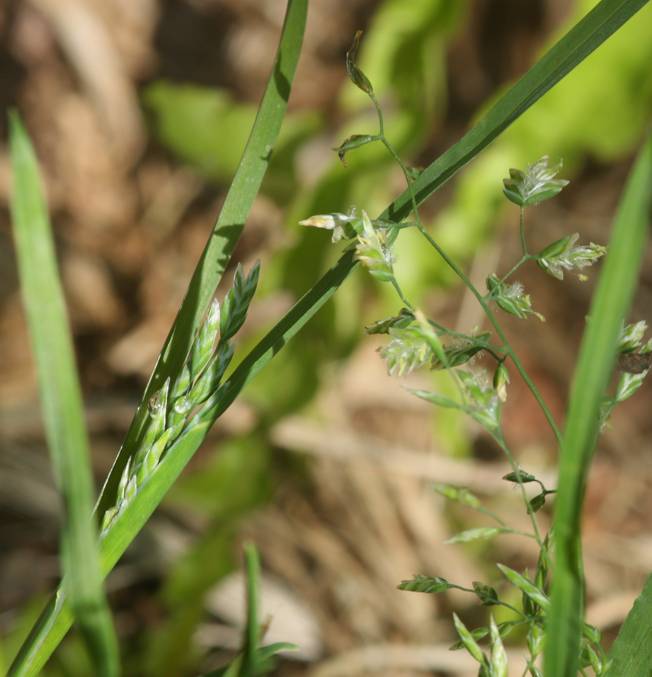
(61,401)
(594,29)
(252,630)
(227,229)
(632,650)
(592,375)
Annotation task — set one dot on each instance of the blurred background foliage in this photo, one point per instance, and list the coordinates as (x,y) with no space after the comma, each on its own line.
(133,190)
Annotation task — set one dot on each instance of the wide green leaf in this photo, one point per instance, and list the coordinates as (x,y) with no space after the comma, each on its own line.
(63,410)
(592,375)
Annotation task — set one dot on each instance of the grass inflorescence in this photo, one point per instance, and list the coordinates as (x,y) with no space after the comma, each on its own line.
(417,342)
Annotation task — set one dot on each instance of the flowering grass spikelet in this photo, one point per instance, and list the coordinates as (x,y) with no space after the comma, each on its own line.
(536,184)
(483,401)
(354,141)
(468,641)
(564,255)
(631,336)
(406,351)
(203,346)
(400,321)
(501,381)
(373,251)
(498,660)
(339,224)
(357,77)
(237,300)
(171,407)
(511,298)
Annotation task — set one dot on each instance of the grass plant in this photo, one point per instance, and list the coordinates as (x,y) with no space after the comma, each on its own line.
(188,391)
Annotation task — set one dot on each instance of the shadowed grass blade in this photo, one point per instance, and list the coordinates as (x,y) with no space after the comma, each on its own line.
(632,651)
(61,401)
(225,233)
(592,375)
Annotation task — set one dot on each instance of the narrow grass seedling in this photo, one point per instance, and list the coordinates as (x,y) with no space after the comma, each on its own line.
(255,658)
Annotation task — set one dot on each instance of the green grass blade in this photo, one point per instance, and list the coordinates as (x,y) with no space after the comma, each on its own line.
(252,630)
(227,229)
(632,650)
(61,401)
(594,29)
(592,375)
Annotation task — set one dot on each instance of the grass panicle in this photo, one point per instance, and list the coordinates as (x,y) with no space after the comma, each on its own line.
(170,418)
(570,647)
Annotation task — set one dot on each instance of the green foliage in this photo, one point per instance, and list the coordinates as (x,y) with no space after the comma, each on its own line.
(135,507)
(223,489)
(149,475)
(171,649)
(237,480)
(208,130)
(599,111)
(204,127)
(222,240)
(403,53)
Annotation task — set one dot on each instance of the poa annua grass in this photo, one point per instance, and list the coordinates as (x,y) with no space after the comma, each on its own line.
(140,477)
